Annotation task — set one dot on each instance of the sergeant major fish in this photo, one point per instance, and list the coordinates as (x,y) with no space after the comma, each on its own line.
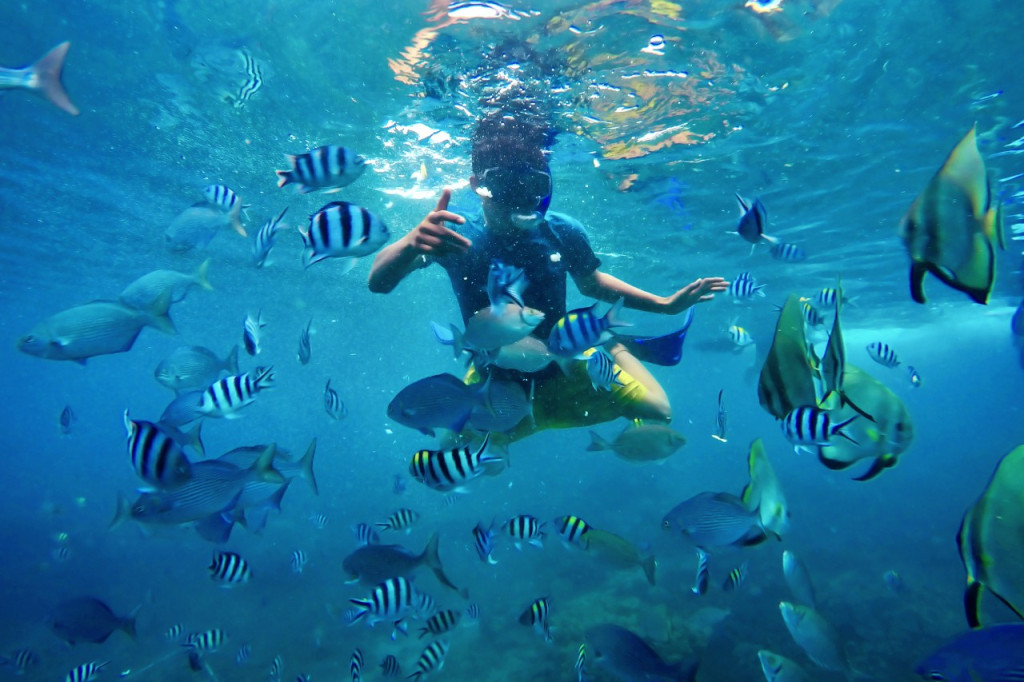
(344,231)
(155,456)
(582,329)
(251,331)
(224,198)
(265,239)
(225,397)
(330,167)
(446,470)
(43,78)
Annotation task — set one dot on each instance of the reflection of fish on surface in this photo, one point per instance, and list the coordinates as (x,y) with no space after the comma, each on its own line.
(628,658)
(373,564)
(618,552)
(43,78)
(950,227)
(991,654)
(990,540)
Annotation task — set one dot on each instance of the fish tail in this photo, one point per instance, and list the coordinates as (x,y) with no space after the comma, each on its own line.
(46,78)
(649,565)
(306,467)
(231,361)
(195,439)
(612,316)
(284,177)
(917,273)
(838,429)
(128,624)
(159,317)
(236,220)
(201,275)
(597,443)
(264,466)
(458,344)
(122,513)
(432,559)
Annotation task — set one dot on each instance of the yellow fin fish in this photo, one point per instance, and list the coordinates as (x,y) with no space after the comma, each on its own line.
(764,492)
(787,376)
(950,227)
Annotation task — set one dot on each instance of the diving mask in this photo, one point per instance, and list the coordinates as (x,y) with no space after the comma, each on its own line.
(519,187)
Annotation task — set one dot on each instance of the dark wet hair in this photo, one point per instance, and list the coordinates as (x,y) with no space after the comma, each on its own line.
(502,140)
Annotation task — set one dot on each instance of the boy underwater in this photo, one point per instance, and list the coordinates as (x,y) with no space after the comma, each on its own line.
(512,178)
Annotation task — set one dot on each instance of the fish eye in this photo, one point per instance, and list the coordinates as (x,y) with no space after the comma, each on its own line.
(666,524)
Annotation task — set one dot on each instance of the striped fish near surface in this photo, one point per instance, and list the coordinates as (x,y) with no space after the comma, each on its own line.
(227,396)
(330,167)
(342,230)
(392,600)
(440,623)
(808,426)
(883,354)
(581,329)
(403,519)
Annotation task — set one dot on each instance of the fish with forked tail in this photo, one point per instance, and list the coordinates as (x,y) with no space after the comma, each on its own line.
(43,78)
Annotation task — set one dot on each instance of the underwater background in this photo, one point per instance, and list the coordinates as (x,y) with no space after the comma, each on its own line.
(835,113)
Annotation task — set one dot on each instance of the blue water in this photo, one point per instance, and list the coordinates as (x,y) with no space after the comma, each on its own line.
(834,113)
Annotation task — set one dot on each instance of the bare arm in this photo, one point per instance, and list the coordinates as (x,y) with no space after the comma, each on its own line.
(605,287)
(431,236)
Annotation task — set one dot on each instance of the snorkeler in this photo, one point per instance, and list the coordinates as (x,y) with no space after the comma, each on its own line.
(511,176)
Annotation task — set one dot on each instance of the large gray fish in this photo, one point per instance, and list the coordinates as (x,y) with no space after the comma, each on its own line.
(43,78)
(373,564)
(815,635)
(439,401)
(506,404)
(799,579)
(712,520)
(992,654)
(97,328)
(246,456)
(258,495)
(628,658)
(87,619)
(143,293)
(778,668)
(193,368)
(195,227)
(641,442)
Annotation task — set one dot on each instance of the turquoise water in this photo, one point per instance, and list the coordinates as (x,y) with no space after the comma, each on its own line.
(834,113)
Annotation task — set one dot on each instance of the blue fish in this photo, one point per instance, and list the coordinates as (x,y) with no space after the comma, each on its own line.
(711,520)
(581,329)
(627,657)
(993,654)
(439,401)
(753,221)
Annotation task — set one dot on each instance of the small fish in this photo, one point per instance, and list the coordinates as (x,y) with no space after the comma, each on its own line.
(175,633)
(883,354)
(330,167)
(655,46)
(252,84)
(811,315)
(894,581)
(483,542)
(303,677)
(573,530)
(195,227)
(788,253)
(525,528)
(67,419)
(736,578)
(721,419)
(505,284)
(207,641)
(266,238)
(536,616)
(431,660)
(601,369)
(403,519)
(224,198)
(43,78)
(913,376)
(333,404)
(473,612)
(753,221)
(700,582)
(710,520)
(305,350)
(365,534)
(243,654)
(391,600)
(390,667)
(745,289)
(740,336)
(229,569)
(342,230)
(808,426)
(581,329)
(193,368)
(319,520)
(450,500)
(827,297)
(440,623)
(276,667)
(155,456)
(86,672)
(447,470)
(20,661)
(581,663)
(815,636)
(355,665)
(251,330)
(227,396)
(61,554)
(299,560)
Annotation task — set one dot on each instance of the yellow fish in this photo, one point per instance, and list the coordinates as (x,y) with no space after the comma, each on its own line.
(950,227)
(787,376)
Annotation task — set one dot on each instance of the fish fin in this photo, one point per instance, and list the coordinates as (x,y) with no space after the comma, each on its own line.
(310,257)
(231,361)
(47,76)
(612,316)
(917,272)
(263,467)
(235,216)
(215,528)
(201,275)
(345,265)
(159,317)
(649,565)
(744,205)
(122,513)
(306,467)
(274,502)
(284,176)
(598,443)
(965,169)
(880,464)
(834,465)
(972,602)
(195,439)
(432,559)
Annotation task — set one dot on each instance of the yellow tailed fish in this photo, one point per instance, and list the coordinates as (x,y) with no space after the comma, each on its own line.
(990,540)
(950,227)
(787,376)
(764,492)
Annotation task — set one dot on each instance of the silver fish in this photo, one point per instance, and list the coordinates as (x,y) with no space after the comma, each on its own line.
(143,293)
(815,635)
(193,368)
(195,227)
(799,579)
(778,668)
(43,78)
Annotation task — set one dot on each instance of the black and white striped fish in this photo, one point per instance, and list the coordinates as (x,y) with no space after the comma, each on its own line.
(483,542)
(440,623)
(745,289)
(299,560)
(155,456)
(227,396)
(736,577)
(473,613)
(276,668)
(828,296)
(319,520)
(265,239)
(391,600)
(788,253)
(355,665)
(582,328)
(431,660)
(253,81)
(809,426)
(601,370)
(525,528)
(446,470)
(573,530)
(333,404)
(251,329)
(883,354)
(365,534)
(305,348)
(174,633)
(700,582)
(86,672)
(19,661)
(342,230)
(403,519)
(224,198)
(303,677)
(811,315)
(243,654)
(67,419)
(536,616)
(390,667)
(330,167)
(208,641)
(740,336)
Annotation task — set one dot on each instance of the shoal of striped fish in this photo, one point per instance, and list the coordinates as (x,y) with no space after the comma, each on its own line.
(266,238)
(299,560)
(572,530)
(155,456)
(252,84)
(365,534)
(229,569)
(252,328)
(525,528)
(344,231)
(206,641)
(355,665)
(602,371)
(390,667)
(446,470)
(483,542)
(403,519)
(536,616)
(736,578)
(227,396)
(582,328)
(333,404)
(431,660)
(330,167)
(700,581)
(86,672)
(807,426)
(305,352)
(440,623)
(883,354)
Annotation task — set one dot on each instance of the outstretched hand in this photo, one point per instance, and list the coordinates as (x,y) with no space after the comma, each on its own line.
(433,237)
(698,291)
